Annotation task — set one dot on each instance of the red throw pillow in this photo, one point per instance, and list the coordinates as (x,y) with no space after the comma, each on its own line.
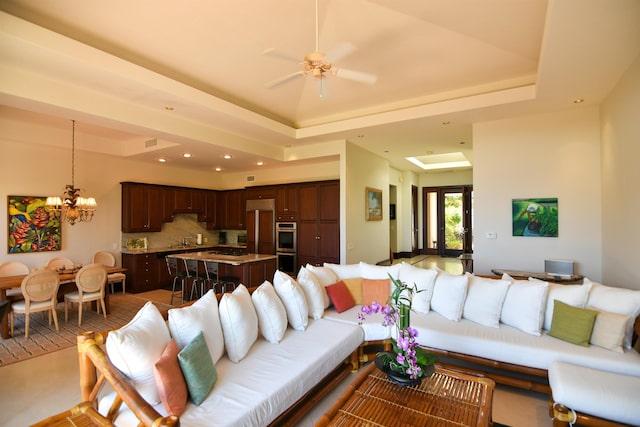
(340,296)
(172,387)
(375,290)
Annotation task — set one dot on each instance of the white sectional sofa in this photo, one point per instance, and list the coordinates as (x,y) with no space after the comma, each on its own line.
(292,339)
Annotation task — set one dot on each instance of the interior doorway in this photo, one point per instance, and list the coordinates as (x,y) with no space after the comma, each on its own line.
(448,220)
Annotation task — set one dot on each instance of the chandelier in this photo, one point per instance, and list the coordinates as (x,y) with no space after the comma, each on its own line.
(71,207)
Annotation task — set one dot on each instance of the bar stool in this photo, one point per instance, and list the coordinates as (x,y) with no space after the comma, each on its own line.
(191,269)
(174,271)
(211,274)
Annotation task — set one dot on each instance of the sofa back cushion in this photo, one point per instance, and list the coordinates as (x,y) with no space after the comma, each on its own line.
(449,294)
(484,300)
(137,346)
(575,295)
(239,323)
(616,300)
(572,324)
(370,271)
(344,271)
(314,293)
(272,316)
(424,279)
(198,369)
(293,299)
(326,277)
(187,322)
(524,305)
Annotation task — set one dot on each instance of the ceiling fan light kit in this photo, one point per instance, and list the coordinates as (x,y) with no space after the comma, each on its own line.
(317,64)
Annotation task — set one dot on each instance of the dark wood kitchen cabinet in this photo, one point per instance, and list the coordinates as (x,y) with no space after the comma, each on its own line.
(142,271)
(208,214)
(168,203)
(287,202)
(142,209)
(318,222)
(188,200)
(231,210)
(250,274)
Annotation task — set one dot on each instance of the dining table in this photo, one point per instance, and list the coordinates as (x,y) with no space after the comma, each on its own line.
(11,282)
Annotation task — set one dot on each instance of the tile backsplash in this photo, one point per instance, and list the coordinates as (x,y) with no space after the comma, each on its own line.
(183,225)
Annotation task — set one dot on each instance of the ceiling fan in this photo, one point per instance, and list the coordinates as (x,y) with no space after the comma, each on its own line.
(317,64)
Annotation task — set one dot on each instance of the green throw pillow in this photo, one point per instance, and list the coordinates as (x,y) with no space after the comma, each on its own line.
(572,324)
(198,368)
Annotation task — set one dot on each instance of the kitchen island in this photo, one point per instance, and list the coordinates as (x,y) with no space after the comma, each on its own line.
(147,269)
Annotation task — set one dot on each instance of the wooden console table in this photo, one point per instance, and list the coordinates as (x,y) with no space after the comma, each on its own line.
(445,398)
(574,278)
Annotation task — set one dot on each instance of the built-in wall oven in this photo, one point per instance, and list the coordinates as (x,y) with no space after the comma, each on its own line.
(286,244)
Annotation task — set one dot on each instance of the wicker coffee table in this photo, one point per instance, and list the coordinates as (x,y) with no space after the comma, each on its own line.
(447,398)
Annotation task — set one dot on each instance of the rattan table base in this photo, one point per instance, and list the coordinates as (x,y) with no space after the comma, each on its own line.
(447,398)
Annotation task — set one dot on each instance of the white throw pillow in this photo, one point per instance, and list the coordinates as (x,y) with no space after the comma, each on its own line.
(449,293)
(136,347)
(377,272)
(524,305)
(325,275)
(345,271)
(424,279)
(272,317)
(609,330)
(616,300)
(239,323)
(314,293)
(186,323)
(575,295)
(292,296)
(484,300)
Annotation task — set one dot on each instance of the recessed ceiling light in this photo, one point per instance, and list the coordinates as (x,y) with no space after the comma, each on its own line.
(186,155)
(218,169)
(361,136)
(169,108)
(461,143)
(260,163)
(578,101)
(446,122)
(227,156)
(162,160)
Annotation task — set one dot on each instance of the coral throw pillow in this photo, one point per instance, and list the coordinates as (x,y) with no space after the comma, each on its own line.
(375,290)
(172,387)
(340,296)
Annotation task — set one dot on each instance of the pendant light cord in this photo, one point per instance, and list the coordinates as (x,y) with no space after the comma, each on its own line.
(73,153)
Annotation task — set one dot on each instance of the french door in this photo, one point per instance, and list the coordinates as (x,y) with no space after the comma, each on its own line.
(448,220)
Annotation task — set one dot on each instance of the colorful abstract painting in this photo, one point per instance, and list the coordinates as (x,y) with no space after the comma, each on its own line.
(535,217)
(32,226)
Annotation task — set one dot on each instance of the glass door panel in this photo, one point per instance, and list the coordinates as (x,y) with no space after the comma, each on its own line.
(454,229)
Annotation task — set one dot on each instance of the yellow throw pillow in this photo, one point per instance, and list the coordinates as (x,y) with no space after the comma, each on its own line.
(355,289)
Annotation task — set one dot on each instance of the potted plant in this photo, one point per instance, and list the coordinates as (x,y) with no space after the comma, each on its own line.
(408,363)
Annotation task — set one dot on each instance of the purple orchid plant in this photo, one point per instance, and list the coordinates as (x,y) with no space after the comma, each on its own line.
(409,357)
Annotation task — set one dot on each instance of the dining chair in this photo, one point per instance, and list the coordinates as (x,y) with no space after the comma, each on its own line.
(109,260)
(59,262)
(40,292)
(13,268)
(90,281)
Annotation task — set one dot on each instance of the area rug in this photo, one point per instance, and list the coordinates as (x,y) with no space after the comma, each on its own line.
(44,338)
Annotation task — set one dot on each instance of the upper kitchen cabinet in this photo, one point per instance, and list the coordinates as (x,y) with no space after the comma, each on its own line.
(231,210)
(261,192)
(287,202)
(168,203)
(142,207)
(208,214)
(188,200)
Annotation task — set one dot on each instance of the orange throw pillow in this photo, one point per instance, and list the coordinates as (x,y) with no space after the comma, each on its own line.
(375,290)
(172,387)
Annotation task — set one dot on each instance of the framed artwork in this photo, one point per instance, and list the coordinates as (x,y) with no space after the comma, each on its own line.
(535,217)
(32,226)
(373,204)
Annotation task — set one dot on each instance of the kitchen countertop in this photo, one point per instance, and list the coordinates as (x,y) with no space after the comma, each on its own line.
(223,259)
(178,249)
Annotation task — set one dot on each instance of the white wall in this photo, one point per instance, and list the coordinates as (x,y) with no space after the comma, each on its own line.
(366,241)
(547,155)
(620,115)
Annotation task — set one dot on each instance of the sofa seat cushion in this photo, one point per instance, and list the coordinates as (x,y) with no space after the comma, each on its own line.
(371,325)
(594,392)
(256,390)
(509,344)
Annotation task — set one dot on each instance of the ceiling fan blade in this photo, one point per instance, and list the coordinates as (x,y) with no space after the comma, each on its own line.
(339,52)
(275,54)
(357,76)
(283,79)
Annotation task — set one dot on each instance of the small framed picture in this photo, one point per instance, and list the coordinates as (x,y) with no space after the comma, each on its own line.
(373,204)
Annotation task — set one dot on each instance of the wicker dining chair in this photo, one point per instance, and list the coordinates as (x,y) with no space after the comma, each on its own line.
(40,292)
(90,281)
(13,268)
(109,260)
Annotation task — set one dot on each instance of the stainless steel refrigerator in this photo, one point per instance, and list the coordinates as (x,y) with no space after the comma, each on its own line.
(261,226)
